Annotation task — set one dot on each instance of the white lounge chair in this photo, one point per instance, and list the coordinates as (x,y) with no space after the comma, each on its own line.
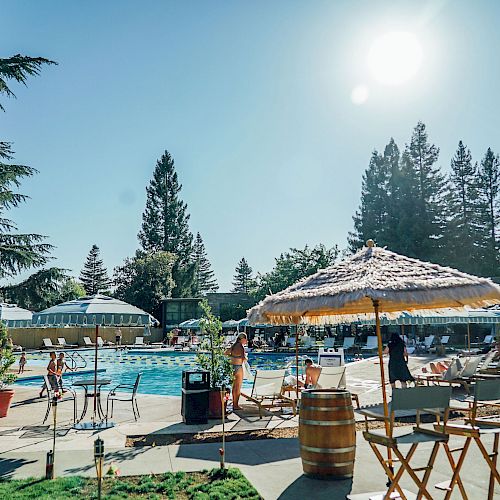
(348,343)
(47,344)
(87,342)
(62,341)
(139,342)
(488,340)
(331,377)
(329,343)
(371,343)
(267,391)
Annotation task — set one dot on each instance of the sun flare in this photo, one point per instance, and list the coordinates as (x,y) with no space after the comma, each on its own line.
(395,58)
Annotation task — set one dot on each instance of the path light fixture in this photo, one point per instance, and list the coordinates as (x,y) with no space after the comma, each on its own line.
(98,460)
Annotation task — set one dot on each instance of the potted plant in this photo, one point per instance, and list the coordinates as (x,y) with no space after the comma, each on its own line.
(213,359)
(6,361)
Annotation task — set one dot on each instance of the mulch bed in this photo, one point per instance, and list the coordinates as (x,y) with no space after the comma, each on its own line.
(279,433)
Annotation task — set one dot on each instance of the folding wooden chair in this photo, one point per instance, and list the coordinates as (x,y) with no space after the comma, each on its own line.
(475,428)
(435,400)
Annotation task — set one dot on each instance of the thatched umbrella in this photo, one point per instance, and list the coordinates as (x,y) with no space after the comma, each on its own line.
(373,280)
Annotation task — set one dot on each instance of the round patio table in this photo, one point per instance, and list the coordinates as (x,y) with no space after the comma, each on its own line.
(88,387)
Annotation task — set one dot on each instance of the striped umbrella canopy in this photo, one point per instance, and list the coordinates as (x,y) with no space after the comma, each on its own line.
(438,317)
(94,310)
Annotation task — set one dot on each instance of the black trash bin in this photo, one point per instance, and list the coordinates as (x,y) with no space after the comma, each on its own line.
(195,389)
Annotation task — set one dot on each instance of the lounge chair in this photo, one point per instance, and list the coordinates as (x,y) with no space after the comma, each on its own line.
(488,340)
(139,342)
(415,398)
(87,342)
(333,377)
(68,395)
(457,374)
(62,341)
(329,343)
(127,396)
(47,344)
(307,342)
(267,391)
(371,343)
(348,343)
(475,428)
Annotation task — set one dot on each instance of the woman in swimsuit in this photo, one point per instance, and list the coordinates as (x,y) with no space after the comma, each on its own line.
(237,354)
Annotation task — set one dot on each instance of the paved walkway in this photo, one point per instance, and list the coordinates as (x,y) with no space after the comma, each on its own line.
(272,465)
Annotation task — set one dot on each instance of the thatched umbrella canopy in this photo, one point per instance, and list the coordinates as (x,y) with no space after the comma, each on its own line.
(349,288)
(373,280)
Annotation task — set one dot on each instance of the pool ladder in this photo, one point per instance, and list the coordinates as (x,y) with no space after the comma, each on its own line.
(73,364)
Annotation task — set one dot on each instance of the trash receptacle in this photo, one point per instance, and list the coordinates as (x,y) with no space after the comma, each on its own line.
(195,390)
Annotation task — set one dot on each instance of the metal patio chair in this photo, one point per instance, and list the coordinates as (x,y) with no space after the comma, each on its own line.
(124,396)
(435,400)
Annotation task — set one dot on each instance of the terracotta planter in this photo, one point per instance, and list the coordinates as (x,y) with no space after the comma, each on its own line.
(215,405)
(6,396)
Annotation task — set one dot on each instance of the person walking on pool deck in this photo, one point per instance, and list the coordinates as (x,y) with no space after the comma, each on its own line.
(237,354)
(51,373)
(398,359)
(22,362)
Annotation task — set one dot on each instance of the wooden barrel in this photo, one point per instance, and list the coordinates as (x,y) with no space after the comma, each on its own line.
(327,433)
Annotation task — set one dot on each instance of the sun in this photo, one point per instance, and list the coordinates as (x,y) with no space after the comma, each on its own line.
(395,58)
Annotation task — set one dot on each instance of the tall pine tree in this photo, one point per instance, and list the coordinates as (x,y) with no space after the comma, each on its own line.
(370,221)
(462,207)
(204,278)
(165,225)
(94,276)
(243,281)
(489,189)
(421,206)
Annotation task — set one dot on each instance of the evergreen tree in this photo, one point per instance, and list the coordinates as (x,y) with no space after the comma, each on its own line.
(243,282)
(462,207)
(94,276)
(489,189)
(165,224)
(421,206)
(204,278)
(370,221)
(18,68)
(391,160)
(18,252)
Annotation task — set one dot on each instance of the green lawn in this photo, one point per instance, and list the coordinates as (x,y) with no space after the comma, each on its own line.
(205,485)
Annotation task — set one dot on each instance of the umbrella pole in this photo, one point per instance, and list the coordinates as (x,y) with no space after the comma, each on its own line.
(376,305)
(95,372)
(468,337)
(297,357)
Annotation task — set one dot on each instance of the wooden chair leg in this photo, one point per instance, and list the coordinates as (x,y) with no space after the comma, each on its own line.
(488,459)
(390,474)
(395,480)
(452,464)
(491,486)
(456,471)
(430,464)
(422,490)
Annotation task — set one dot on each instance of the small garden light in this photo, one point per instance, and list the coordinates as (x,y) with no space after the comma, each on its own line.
(98,459)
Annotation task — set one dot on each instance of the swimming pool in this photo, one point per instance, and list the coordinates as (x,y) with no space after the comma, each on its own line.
(161,372)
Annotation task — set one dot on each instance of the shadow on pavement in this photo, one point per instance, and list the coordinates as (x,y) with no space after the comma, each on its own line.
(9,465)
(118,456)
(323,489)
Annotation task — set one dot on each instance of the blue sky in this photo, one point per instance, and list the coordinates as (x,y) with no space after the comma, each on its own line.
(253,100)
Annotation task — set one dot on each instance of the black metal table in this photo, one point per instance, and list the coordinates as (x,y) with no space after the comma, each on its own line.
(89,385)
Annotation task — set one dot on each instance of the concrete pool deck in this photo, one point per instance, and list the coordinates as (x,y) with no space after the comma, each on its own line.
(272,465)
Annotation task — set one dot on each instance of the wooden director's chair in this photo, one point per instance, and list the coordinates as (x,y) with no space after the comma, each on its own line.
(435,400)
(475,428)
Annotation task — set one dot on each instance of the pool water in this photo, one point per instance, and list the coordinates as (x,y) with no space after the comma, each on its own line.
(161,372)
